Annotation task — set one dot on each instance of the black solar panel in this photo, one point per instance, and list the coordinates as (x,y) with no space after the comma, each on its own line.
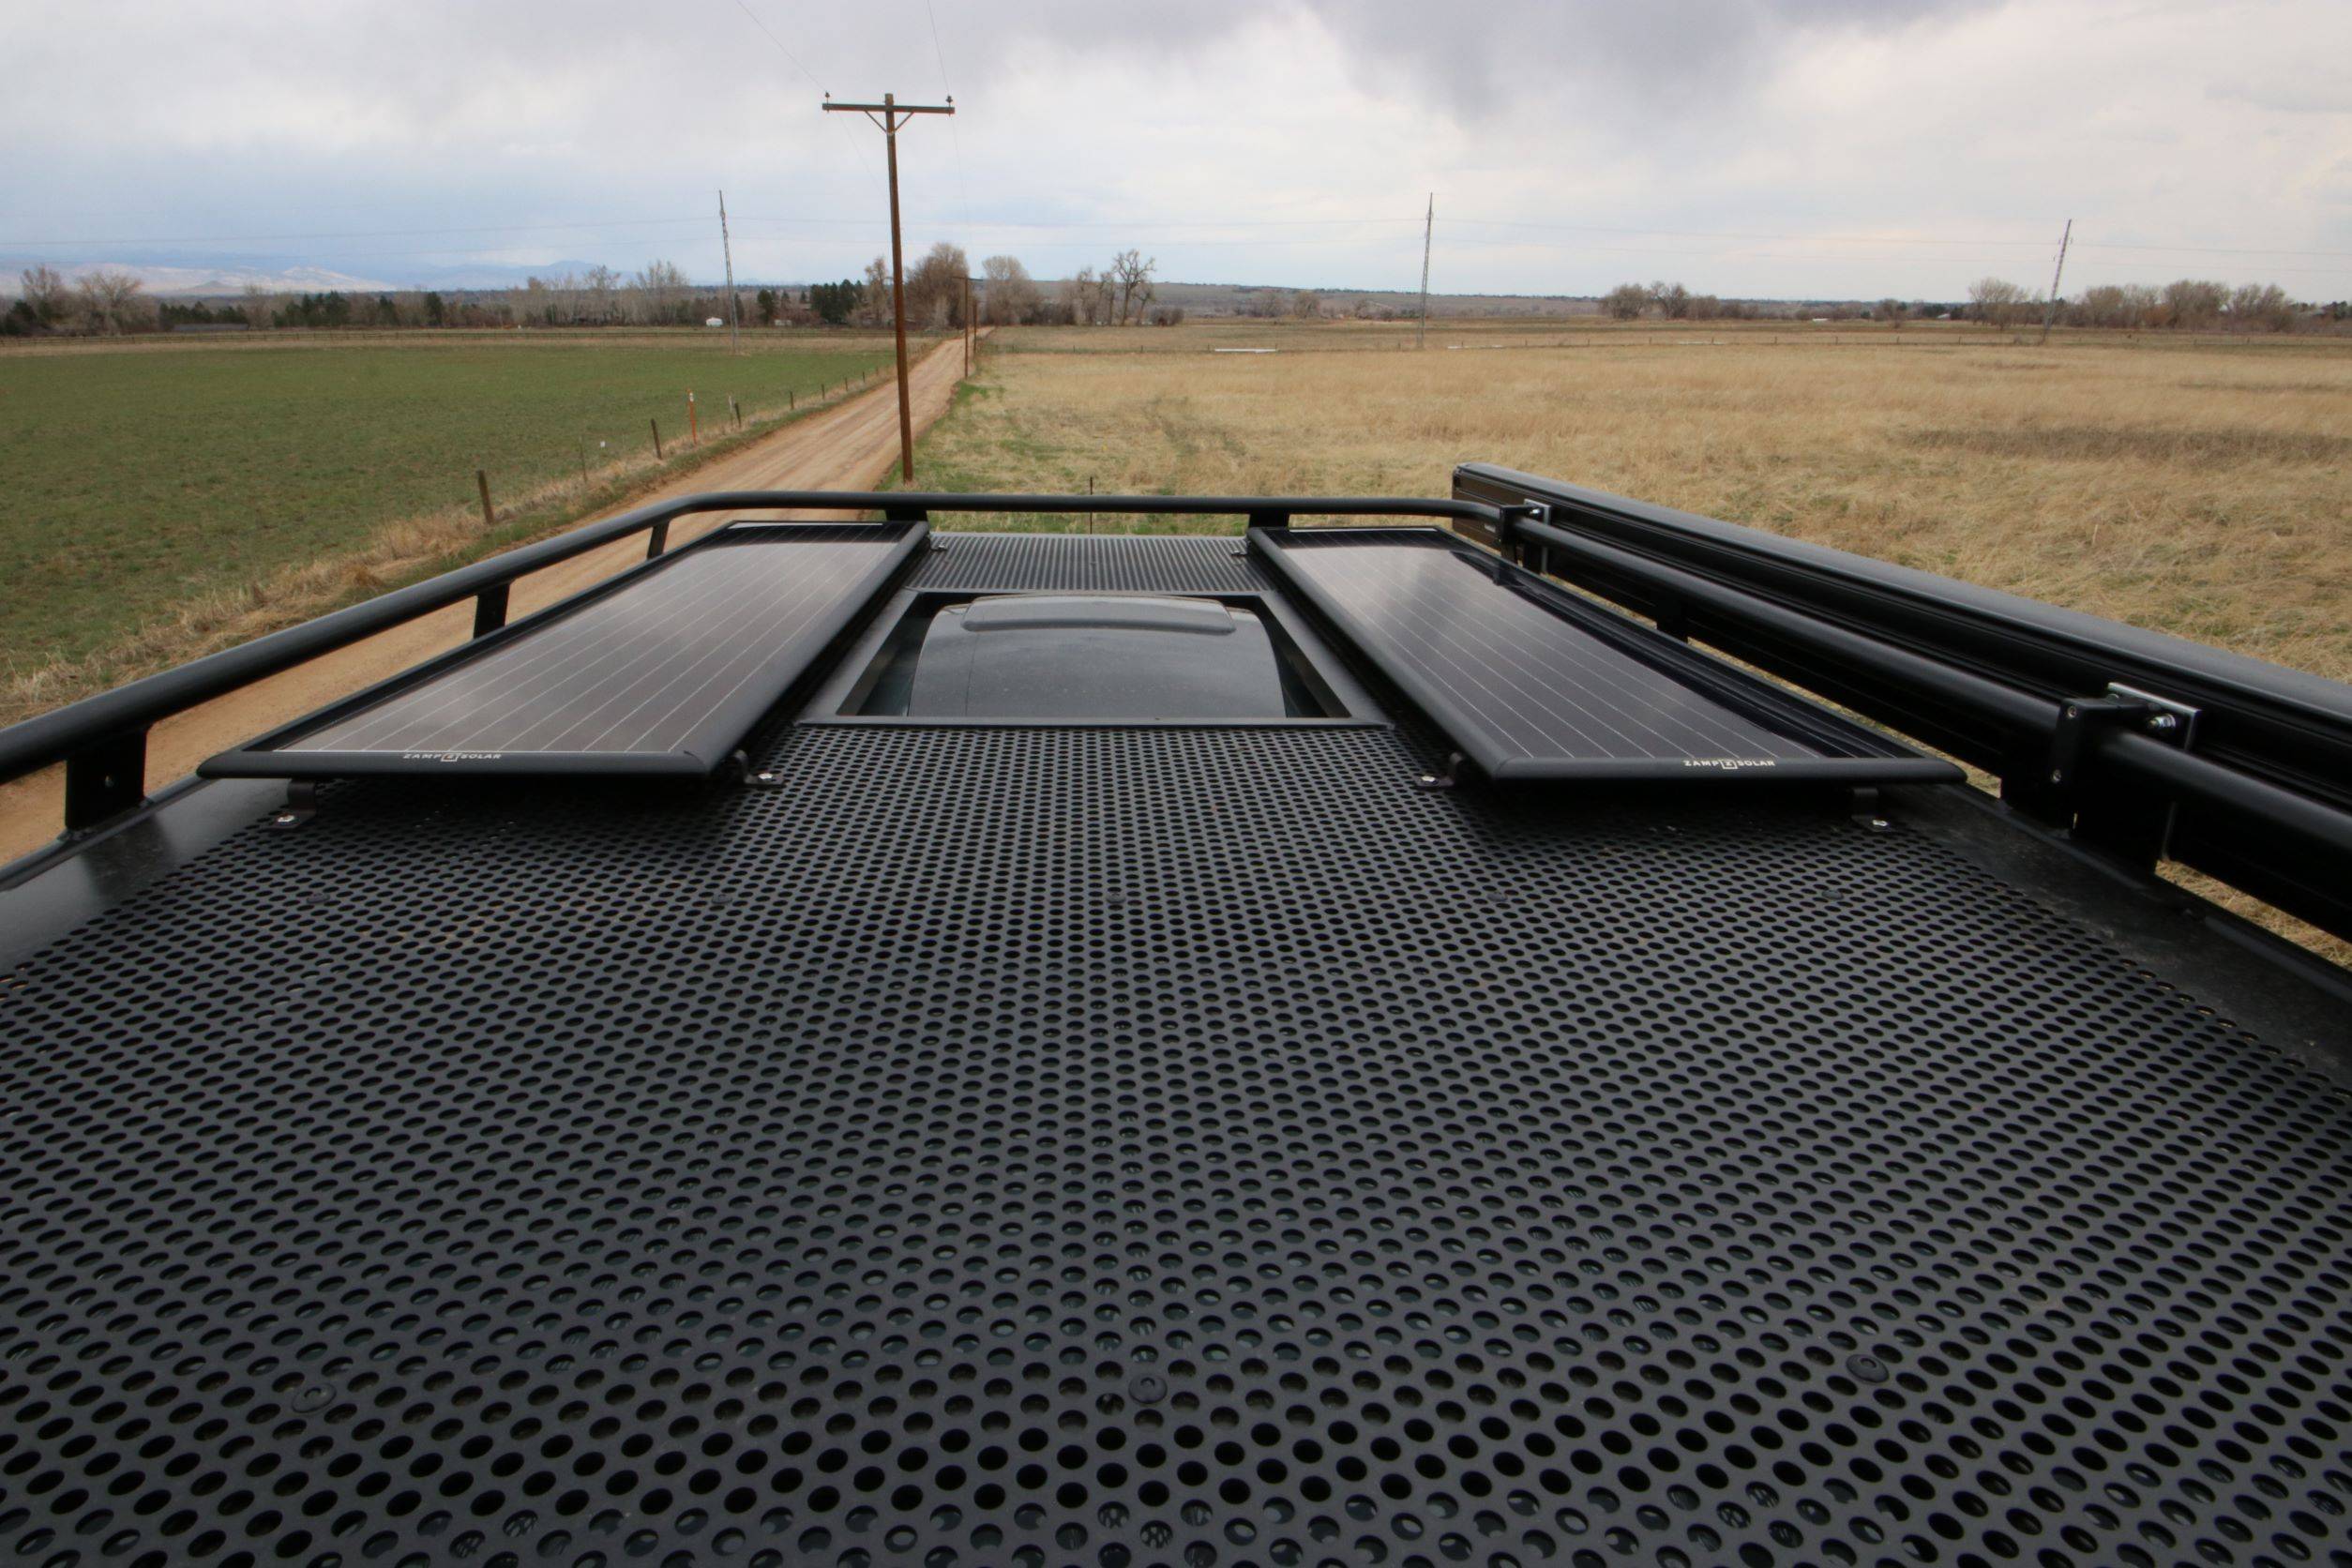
(1532,684)
(660,673)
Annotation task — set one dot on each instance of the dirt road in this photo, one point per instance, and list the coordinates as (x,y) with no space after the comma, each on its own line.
(849,448)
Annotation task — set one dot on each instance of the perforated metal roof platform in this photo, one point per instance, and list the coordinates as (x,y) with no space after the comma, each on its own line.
(1146,1147)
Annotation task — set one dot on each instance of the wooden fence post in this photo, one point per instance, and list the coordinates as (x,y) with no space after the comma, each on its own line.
(657,425)
(481,482)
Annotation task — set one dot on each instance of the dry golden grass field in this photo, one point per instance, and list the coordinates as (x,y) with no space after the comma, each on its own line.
(2202,487)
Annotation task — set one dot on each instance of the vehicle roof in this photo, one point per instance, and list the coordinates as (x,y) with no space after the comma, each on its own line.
(1155,1145)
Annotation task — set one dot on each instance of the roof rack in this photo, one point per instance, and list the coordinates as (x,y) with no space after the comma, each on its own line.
(2143,746)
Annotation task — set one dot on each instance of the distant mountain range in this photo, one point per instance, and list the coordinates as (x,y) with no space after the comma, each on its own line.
(168,274)
(182,275)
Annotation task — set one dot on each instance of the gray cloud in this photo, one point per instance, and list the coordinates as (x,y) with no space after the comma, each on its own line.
(1504,58)
(1820,146)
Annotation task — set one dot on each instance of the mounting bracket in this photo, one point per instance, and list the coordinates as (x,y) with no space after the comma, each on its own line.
(1868,809)
(302,803)
(2139,829)
(749,777)
(2081,720)
(1454,763)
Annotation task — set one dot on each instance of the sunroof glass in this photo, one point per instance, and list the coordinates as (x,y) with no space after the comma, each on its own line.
(1065,657)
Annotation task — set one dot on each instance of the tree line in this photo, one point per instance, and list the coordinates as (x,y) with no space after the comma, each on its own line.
(2188,305)
(108,301)
(1004,295)
(102,301)
(1631,301)
(1122,294)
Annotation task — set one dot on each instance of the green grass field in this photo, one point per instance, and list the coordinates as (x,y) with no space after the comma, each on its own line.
(139,478)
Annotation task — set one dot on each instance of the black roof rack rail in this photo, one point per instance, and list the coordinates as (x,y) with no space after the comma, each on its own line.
(2145,746)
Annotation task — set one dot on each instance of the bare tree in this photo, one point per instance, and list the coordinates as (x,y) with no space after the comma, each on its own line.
(1011,293)
(873,300)
(1672,299)
(110,302)
(1087,297)
(935,289)
(2133,304)
(46,294)
(661,288)
(2192,303)
(1626,301)
(600,283)
(1306,305)
(253,305)
(1130,279)
(1997,301)
(1891,312)
(2261,306)
(2106,304)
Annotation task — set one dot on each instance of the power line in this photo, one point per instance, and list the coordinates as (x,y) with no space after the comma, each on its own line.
(955,136)
(2213,249)
(857,146)
(1456,244)
(779,45)
(1889,239)
(368,234)
(1274,234)
(1168,227)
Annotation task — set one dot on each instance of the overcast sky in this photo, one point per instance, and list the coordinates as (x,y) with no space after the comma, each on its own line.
(1775,147)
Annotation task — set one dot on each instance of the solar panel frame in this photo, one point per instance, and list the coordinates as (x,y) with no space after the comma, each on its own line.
(1539,706)
(691,738)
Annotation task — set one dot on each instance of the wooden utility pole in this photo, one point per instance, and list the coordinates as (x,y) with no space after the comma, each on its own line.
(2049,312)
(890,114)
(1428,227)
(729,248)
(968,326)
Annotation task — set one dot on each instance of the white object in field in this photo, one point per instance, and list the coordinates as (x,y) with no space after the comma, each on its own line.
(715,321)
(1244,350)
